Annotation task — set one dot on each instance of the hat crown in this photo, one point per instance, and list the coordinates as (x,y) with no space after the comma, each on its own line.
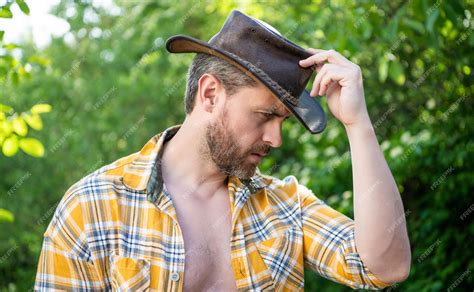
(262,45)
(261,51)
(268,26)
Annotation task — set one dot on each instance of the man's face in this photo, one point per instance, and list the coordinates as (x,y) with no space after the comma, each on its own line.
(246,129)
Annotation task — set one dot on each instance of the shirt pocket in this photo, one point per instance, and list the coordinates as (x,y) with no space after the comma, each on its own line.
(283,255)
(129,274)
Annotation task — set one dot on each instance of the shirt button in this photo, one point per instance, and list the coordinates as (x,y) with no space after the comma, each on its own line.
(175,276)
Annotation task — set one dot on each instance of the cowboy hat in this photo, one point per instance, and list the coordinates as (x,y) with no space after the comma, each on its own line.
(260,51)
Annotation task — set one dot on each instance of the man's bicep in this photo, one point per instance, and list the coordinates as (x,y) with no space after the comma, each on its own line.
(329,246)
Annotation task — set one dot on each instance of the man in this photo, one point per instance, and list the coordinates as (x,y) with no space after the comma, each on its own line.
(191,211)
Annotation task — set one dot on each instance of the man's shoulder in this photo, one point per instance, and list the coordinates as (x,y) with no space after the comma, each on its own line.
(90,205)
(277,182)
(288,187)
(280,201)
(106,176)
(96,191)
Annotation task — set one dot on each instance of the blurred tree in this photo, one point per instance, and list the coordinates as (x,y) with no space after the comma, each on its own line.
(13,125)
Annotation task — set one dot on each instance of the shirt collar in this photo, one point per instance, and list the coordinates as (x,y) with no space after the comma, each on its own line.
(144,172)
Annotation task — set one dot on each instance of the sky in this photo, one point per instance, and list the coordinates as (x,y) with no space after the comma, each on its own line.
(40,24)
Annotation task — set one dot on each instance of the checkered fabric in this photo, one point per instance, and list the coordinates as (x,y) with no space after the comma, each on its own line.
(117,229)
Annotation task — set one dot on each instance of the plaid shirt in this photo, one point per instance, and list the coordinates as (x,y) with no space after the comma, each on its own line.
(117,229)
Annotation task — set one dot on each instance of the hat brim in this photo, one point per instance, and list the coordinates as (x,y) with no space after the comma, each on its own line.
(308,110)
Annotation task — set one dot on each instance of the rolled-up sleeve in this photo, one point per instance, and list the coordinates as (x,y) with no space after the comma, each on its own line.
(329,245)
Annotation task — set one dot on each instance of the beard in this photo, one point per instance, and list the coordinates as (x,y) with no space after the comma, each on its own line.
(225,152)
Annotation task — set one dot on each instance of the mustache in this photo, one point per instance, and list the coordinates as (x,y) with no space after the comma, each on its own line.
(261,149)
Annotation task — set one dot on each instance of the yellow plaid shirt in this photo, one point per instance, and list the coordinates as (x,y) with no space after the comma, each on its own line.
(117,229)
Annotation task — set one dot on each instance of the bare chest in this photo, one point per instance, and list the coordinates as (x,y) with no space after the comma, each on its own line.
(206,228)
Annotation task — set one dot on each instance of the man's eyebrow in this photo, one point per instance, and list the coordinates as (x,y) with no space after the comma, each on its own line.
(280,114)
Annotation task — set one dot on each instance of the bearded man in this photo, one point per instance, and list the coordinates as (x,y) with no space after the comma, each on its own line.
(192,211)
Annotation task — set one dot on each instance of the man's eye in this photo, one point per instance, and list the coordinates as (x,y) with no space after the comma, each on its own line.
(266,115)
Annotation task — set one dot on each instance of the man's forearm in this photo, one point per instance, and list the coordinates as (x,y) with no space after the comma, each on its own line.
(380,227)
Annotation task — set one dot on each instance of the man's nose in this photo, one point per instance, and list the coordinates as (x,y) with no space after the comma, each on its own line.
(272,134)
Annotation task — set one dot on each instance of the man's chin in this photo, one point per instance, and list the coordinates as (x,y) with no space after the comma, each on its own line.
(247,172)
(243,172)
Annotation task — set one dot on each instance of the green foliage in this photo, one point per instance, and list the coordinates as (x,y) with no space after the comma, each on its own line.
(6,215)
(14,129)
(113,86)
(13,125)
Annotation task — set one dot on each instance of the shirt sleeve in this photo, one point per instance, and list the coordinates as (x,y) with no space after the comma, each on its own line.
(329,245)
(65,261)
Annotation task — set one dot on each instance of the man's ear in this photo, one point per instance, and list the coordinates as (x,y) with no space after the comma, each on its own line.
(208,92)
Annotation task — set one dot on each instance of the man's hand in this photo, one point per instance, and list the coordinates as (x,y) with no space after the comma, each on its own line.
(341,81)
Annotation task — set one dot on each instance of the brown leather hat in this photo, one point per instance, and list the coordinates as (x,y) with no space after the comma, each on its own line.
(261,52)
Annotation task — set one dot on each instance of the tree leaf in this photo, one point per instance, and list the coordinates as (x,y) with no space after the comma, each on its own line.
(23,6)
(6,216)
(367,30)
(34,121)
(14,77)
(392,29)
(19,126)
(396,73)
(416,25)
(383,69)
(10,146)
(5,108)
(40,60)
(32,147)
(431,20)
(5,12)
(41,108)
(11,46)
(5,127)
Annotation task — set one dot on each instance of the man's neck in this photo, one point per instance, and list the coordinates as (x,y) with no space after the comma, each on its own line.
(184,165)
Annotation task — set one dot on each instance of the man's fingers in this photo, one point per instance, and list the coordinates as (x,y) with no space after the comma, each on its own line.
(321,82)
(317,80)
(314,51)
(322,56)
(328,78)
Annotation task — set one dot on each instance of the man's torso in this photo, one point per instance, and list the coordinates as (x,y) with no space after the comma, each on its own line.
(206,227)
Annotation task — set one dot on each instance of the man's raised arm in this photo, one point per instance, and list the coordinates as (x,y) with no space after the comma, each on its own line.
(380,228)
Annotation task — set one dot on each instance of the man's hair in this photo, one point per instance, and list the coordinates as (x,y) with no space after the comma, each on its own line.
(230,76)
